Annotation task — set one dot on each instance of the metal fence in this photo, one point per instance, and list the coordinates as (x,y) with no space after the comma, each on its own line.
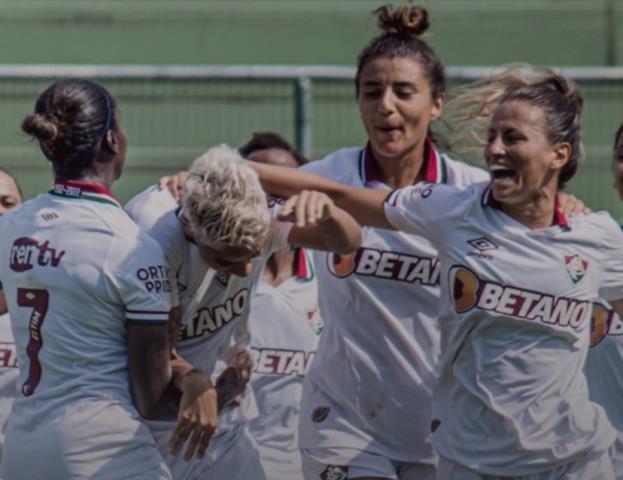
(173,113)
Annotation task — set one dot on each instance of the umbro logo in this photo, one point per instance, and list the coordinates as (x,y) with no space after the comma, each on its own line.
(482,245)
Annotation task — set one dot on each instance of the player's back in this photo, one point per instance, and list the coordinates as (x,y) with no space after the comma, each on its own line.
(61,256)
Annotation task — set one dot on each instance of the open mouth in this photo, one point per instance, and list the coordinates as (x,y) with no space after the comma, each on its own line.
(501,172)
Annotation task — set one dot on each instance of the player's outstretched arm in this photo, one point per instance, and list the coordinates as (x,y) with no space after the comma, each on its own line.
(364,204)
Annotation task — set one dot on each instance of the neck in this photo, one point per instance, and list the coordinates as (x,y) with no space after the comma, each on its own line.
(401,171)
(537,212)
(279,267)
(102,179)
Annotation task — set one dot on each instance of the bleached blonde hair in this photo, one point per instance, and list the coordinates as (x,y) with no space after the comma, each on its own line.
(461,131)
(223,201)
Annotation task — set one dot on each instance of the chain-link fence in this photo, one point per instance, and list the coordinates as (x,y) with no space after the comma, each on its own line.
(172,114)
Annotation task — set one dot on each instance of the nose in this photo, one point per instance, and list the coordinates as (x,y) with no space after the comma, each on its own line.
(386,102)
(494,148)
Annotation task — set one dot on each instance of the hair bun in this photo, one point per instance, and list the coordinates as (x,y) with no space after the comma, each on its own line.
(408,20)
(40,127)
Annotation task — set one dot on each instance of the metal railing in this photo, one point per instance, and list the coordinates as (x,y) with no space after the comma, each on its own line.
(302,78)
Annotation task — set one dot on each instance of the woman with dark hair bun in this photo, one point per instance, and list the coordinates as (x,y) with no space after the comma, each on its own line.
(366,408)
(89,301)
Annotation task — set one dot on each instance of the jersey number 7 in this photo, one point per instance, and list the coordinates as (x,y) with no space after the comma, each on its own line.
(37,300)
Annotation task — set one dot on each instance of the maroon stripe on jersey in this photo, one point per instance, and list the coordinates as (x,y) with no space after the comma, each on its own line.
(370,171)
(431,172)
(559,217)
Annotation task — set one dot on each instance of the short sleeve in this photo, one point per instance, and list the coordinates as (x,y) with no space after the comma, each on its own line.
(140,274)
(422,209)
(611,287)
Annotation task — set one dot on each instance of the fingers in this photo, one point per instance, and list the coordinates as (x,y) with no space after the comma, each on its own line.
(309,208)
(180,434)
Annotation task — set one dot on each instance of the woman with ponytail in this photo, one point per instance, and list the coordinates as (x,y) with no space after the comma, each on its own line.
(366,408)
(518,281)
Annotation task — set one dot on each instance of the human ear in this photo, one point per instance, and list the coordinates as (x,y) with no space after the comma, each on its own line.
(436,108)
(562,154)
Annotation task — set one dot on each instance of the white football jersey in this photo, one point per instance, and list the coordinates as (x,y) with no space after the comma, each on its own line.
(75,270)
(369,387)
(605,375)
(8,372)
(285,325)
(516,311)
(217,326)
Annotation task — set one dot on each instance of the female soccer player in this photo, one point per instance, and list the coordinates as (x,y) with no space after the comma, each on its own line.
(517,282)
(603,372)
(285,325)
(216,245)
(10,196)
(88,296)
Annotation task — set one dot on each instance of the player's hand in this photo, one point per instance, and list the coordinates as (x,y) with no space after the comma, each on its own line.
(308,208)
(197,417)
(232,382)
(174,183)
(570,205)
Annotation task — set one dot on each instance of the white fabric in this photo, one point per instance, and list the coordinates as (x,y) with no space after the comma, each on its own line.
(285,325)
(516,306)
(219,326)
(345,463)
(82,270)
(589,467)
(376,361)
(8,372)
(604,373)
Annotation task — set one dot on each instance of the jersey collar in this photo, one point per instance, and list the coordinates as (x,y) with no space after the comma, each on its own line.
(83,190)
(303,268)
(559,218)
(434,168)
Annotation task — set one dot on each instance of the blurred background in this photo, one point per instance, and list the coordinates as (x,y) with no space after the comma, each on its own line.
(172,114)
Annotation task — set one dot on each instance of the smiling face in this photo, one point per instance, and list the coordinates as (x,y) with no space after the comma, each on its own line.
(396,105)
(521,159)
(617,166)
(9,193)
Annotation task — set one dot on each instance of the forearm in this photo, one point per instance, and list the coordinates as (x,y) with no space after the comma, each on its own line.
(364,204)
(340,233)
(3,307)
(287,182)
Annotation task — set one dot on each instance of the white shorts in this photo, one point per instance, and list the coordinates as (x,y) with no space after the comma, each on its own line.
(596,466)
(232,455)
(96,440)
(344,463)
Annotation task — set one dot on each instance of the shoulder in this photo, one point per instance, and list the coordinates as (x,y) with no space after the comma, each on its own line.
(149,205)
(461,174)
(600,225)
(339,165)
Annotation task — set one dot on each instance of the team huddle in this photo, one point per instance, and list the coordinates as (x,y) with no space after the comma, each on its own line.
(385,313)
